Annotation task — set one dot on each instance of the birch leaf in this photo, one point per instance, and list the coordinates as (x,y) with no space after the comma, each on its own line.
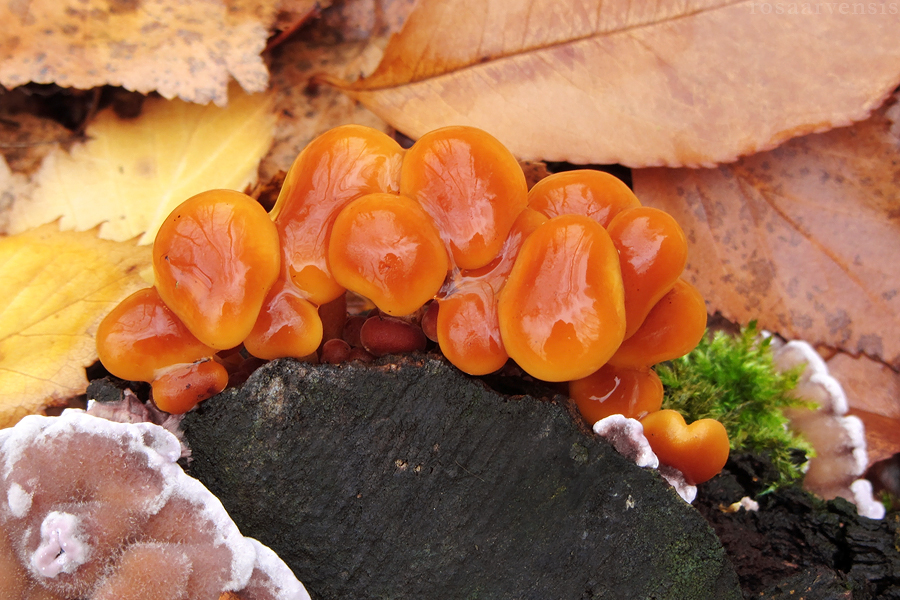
(58,287)
(132,173)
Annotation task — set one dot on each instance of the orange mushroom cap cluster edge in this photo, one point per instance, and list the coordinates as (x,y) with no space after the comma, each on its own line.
(141,339)
(574,280)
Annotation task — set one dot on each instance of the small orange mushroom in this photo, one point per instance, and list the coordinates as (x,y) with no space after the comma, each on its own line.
(652,253)
(698,450)
(141,335)
(673,327)
(181,387)
(386,248)
(215,258)
(468,330)
(634,393)
(334,317)
(287,325)
(141,339)
(467,325)
(562,310)
(471,186)
(382,334)
(594,194)
(334,169)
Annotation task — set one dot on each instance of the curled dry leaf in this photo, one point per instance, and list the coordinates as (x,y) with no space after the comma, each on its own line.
(174,47)
(59,285)
(642,84)
(132,173)
(804,238)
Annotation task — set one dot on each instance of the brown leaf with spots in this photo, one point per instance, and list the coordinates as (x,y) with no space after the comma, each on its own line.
(304,111)
(307,109)
(638,83)
(58,285)
(175,47)
(804,238)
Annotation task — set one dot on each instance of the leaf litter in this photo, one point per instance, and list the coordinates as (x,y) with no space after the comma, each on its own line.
(178,48)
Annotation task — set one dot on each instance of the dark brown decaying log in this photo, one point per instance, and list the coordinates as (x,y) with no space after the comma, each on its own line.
(411,480)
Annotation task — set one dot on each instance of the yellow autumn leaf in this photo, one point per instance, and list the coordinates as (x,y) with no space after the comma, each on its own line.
(133,172)
(57,287)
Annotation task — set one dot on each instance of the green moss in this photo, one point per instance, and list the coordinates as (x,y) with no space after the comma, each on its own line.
(732,379)
(891,503)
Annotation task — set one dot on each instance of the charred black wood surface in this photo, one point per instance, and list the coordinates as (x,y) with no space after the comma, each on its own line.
(413,481)
(798,546)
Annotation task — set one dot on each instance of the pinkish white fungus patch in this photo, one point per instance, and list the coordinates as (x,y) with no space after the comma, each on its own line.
(627,437)
(839,439)
(98,510)
(62,548)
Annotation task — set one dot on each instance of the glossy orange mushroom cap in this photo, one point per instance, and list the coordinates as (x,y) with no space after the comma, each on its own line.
(215,258)
(652,253)
(288,325)
(698,450)
(141,335)
(337,167)
(594,194)
(385,247)
(471,186)
(673,327)
(562,310)
(633,393)
(468,330)
(141,339)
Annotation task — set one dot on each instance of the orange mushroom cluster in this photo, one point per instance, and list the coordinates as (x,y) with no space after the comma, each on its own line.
(574,280)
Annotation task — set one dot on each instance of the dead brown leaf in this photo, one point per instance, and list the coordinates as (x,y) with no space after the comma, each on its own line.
(58,286)
(26,139)
(365,20)
(870,384)
(305,111)
(804,238)
(175,47)
(641,84)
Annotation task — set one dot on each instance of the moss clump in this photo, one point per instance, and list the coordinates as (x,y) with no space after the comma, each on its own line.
(732,379)
(891,503)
